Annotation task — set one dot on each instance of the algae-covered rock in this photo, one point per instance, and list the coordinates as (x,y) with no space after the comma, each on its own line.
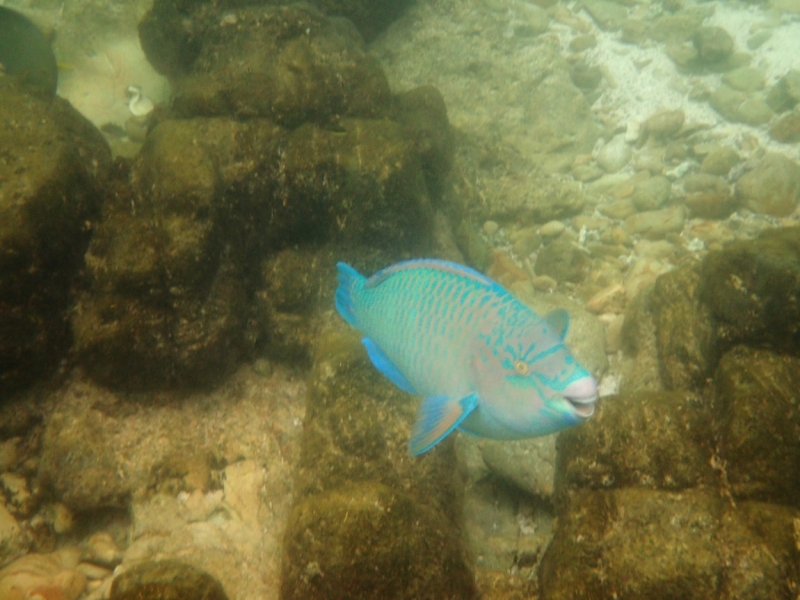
(166,305)
(367,540)
(53,165)
(361,181)
(608,451)
(287,63)
(684,332)
(751,288)
(757,393)
(166,580)
(636,543)
(369,520)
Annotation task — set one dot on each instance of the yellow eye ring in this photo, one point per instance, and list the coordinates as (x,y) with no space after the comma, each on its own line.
(521,367)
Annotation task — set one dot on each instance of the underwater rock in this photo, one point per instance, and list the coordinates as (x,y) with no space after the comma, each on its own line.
(53,165)
(720,160)
(46,576)
(637,543)
(684,332)
(14,541)
(772,187)
(787,128)
(655,224)
(166,580)
(614,155)
(369,520)
(708,196)
(563,261)
(757,394)
(528,465)
(368,540)
(361,181)
(288,63)
(751,288)
(745,79)
(166,305)
(714,44)
(652,193)
(603,453)
(785,94)
(423,115)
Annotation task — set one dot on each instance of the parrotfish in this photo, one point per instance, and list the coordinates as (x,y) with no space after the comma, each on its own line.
(483,362)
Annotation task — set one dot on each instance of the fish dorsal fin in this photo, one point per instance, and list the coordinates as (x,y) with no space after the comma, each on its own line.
(558,320)
(429,263)
(387,367)
(436,418)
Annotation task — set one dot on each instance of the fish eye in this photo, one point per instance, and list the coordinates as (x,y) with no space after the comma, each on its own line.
(521,367)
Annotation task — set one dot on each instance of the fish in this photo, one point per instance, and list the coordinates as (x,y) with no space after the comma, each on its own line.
(483,362)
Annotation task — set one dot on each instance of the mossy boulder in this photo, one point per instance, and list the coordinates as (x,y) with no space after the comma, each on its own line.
(684,333)
(369,520)
(360,182)
(757,394)
(636,543)
(605,452)
(752,288)
(287,63)
(165,303)
(367,540)
(53,166)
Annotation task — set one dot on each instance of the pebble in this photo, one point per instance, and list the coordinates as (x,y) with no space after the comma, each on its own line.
(16,489)
(665,123)
(618,209)
(43,576)
(490,227)
(754,112)
(9,454)
(62,519)
(544,283)
(713,44)
(101,549)
(552,229)
(720,160)
(745,79)
(772,187)
(652,193)
(609,300)
(613,156)
(656,223)
(582,42)
(787,128)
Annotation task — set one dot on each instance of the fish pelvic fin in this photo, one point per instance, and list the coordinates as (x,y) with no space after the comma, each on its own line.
(436,418)
(387,367)
(349,281)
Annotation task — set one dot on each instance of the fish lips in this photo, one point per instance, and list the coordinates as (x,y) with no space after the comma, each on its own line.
(582,395)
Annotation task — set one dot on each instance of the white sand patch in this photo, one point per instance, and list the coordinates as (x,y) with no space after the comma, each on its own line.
(633,92)
(96,84)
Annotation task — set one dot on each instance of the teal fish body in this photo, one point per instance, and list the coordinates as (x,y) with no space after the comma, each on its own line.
(482,361)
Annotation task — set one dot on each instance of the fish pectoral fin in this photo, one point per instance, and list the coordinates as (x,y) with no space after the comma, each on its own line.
(558,320)
(387,367)
(436,418)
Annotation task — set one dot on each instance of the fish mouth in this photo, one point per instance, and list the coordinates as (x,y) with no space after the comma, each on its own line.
(582,408)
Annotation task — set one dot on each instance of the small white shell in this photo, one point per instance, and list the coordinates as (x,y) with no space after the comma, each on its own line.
(139,104)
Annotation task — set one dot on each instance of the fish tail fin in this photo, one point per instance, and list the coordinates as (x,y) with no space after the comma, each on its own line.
(350,281)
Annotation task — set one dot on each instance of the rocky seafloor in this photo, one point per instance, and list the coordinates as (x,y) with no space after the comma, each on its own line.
(182,413)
